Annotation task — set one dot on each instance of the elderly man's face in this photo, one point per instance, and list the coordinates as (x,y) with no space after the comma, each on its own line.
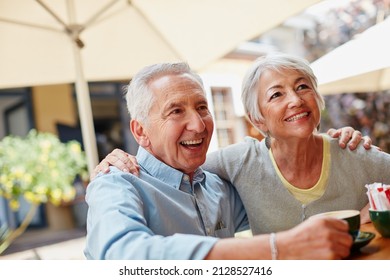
(180,125)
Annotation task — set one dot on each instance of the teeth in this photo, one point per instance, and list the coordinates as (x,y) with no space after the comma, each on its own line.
(191,142)
(297,117)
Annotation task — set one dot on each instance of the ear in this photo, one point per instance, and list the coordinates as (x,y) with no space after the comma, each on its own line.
(259,123)
(139,133)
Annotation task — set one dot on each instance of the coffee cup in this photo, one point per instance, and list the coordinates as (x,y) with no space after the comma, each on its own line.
(351,216)
(381,221)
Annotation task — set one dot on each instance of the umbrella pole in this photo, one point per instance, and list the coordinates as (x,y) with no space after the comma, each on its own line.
(82,92)
(85,112)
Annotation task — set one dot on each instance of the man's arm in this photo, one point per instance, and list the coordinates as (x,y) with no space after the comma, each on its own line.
(118,229)
(324,238)
(128,163)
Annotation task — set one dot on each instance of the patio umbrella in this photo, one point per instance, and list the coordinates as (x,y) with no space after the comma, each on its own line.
(53,42)
(360,65)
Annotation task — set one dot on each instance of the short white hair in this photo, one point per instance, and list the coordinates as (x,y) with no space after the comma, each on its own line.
(275,62)
(139,97)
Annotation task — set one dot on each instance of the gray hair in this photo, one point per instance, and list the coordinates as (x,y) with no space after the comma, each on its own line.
(140,98)
(275,62)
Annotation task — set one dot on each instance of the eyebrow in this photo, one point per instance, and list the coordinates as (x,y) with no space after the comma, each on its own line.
(202,102)
(296,81)
(301,78)
(172,105)
(182,103)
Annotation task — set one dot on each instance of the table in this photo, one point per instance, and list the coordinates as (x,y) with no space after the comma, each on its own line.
(377,249)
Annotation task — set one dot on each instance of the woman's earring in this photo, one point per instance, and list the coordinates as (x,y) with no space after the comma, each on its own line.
(268,142)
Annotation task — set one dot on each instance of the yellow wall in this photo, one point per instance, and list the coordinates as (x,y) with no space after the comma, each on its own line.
(53,104)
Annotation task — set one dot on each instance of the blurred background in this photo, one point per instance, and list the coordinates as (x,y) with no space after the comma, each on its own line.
(63,77)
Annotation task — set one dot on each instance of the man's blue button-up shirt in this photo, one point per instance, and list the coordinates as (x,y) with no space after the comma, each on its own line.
(160,214)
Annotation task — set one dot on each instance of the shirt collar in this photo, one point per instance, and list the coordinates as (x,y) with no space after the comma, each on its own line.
(164,172)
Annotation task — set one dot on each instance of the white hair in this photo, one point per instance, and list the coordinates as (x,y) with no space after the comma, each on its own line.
(275,62)
(140,98)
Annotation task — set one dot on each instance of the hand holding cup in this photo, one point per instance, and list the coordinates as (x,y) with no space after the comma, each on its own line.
(352,217)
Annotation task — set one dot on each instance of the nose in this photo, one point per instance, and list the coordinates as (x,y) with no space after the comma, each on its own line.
(294,100)
(195,122)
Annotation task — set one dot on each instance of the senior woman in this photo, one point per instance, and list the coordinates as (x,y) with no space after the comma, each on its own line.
(294,173)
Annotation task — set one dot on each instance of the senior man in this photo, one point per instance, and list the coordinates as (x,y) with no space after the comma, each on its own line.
(174,209)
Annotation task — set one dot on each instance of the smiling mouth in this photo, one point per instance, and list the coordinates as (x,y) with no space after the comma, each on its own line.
(297,117)
(192,143)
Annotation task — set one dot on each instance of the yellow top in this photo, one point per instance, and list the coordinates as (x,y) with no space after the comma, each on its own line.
(306,196)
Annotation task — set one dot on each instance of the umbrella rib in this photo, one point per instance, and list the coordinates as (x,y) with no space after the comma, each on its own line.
(56,17)
(24,23)
(97,15)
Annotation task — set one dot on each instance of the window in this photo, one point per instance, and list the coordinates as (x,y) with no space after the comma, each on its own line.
(225,119)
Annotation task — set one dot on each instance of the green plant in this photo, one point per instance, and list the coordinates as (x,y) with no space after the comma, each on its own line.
(41,169)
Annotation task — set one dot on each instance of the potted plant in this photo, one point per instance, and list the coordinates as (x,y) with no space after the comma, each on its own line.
(41,169)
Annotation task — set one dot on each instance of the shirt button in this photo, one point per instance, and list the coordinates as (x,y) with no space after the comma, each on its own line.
(186,178)
(208,231)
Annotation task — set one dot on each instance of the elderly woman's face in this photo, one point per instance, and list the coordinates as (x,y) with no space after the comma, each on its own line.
(288,104)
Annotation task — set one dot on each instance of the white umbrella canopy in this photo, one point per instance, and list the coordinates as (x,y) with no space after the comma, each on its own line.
(360,65)
(42,41)
(378,80)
